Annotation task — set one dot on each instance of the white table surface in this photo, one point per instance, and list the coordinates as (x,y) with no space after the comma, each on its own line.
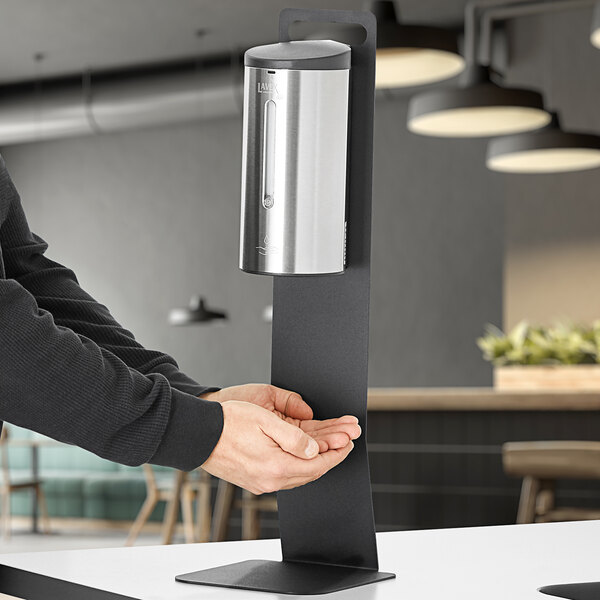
(482,563)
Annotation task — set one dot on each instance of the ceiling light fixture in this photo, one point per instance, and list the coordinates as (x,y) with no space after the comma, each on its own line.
(196,312)
(409,55)
(595,36)
(479,107)
(550,150)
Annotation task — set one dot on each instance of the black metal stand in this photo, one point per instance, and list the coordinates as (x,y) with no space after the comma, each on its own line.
(285,577)
(574,591)
(320,349)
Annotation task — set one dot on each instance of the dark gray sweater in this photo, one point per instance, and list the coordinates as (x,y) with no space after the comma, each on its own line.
(70,371)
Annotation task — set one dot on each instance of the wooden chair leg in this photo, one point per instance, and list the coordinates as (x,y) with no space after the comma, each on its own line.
(527,502)
(545,499)
(41,501)
(6,514)
(203,512)
(250,517)
(222,513)
(149,503)
(187,498)
(172,510)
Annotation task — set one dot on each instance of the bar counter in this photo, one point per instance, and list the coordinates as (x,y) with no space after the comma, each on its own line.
(479,399)
(436,453)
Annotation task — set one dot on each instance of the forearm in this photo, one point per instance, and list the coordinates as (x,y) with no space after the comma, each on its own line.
(56,290)
(66,386)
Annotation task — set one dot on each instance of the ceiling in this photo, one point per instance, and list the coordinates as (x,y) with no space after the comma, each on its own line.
(77,35)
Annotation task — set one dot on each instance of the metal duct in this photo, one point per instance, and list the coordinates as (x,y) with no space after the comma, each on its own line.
(113,102)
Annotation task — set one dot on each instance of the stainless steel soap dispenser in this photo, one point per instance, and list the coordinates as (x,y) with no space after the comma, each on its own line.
(293,218)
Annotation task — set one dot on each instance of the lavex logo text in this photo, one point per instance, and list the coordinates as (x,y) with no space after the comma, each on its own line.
(266,87)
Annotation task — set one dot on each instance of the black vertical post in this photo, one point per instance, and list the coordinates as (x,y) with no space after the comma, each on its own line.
(321,337)
(320,349)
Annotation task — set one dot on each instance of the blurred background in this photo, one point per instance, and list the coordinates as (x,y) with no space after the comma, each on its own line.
(120,123)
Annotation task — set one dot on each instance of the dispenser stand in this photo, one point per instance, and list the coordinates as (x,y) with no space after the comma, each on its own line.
(573,591)
(320,349)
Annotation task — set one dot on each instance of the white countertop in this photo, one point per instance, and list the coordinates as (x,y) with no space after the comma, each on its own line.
(482,563)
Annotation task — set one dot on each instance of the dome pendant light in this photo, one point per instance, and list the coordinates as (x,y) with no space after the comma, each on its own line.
(409,55)
(196,312)
(595,37)
(550,150)
(478,108)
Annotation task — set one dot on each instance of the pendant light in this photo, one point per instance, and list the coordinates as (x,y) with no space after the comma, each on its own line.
(595,36)
(195,313)
(478,108)
(550,150)
(409,55)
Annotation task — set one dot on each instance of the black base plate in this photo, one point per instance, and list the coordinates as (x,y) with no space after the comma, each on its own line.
(285,577)
(574,591)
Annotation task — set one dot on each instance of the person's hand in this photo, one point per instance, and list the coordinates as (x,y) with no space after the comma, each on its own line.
(289,406)
(261,452)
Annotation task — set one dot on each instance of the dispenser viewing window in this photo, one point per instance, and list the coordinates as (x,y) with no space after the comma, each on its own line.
(294,158)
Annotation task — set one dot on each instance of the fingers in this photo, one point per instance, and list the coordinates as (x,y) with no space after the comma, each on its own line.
(290,404)
(331,441)
(289,437)
(335,434)
(337,441)
(351,428)
(310,470)
(333,438)
(339,422)
(261,452)
(344,419)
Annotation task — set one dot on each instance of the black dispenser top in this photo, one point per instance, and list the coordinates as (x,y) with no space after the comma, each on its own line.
(315,55)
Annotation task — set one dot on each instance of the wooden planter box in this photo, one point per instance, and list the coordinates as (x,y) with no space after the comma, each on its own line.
(561,377)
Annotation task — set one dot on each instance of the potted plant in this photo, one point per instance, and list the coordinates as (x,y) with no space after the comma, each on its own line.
(560,357)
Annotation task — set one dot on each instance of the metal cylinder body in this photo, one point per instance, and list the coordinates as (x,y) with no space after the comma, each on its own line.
(294,167)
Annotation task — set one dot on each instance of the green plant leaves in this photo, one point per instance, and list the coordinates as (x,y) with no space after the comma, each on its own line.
(527,345)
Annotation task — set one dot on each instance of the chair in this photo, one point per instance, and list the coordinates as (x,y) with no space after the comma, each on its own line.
(200,489)
(184,490)
(7,487)
(540,464)
(251,506)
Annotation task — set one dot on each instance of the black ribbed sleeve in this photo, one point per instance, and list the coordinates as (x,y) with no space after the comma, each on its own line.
(70,371)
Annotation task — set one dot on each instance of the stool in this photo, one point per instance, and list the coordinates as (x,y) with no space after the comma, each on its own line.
(251,506)
(7,487)
(183,490)
(540,464)
(198,488)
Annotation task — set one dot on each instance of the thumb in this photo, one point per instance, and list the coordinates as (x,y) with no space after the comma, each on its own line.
(290,438)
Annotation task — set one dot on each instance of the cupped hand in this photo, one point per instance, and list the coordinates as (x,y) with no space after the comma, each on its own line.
(289,406)
(262,452)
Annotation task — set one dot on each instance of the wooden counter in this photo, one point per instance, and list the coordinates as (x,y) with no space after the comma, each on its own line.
(479,399)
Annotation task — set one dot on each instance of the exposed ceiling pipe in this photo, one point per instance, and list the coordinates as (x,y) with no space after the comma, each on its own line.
(117,101)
